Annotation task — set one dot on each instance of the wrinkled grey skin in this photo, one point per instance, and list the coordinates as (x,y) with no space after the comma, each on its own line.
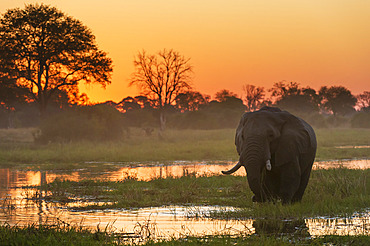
(277,150)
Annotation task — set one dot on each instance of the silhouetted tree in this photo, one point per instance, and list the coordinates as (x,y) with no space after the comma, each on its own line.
(213,115)
(254,96)
(363,101)
(190,101)
(67,97)
(224,94)
(282,89)
(44,51)
(10,95)
(292,97)
(127,104)
(162,77)
(337,99)
(11,99)
(99,122)
(226,113)
(144,101)
(232,102)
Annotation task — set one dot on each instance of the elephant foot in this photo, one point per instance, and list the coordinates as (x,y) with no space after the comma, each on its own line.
(254,199)
(272,199)
(257,199)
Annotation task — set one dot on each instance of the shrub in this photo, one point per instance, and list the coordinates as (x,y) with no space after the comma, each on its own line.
(315,119)
(94,123)
(361,120)
(338,121)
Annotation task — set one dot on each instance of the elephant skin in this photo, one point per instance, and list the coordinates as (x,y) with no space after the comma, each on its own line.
(277,150)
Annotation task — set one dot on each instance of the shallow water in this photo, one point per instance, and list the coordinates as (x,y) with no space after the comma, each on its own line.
(159,222)
(117,171)
(354,147)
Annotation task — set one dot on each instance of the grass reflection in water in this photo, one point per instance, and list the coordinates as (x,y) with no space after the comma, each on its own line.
(198,206)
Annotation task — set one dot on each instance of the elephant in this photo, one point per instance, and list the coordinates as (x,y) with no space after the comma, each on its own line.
(277,150)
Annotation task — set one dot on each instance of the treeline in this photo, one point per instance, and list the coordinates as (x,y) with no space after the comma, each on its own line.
(333,106)
(70,120)
(46,54)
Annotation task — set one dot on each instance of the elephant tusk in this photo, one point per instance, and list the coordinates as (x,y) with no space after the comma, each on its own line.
(235,168)
(268,165)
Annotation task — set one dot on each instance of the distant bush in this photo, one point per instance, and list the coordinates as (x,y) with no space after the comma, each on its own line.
(338,121)
(193,120)
(23,116)
(361,120)
(315,119)
(93,123)
(216,115)
(141,118)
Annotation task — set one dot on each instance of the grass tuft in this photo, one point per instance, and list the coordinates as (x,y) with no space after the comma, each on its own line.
(329,192)
(60,234)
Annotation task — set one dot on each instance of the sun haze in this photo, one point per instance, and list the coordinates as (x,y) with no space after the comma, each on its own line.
(231,43)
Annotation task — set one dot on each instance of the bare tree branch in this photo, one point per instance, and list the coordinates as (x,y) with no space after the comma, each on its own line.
(161,77)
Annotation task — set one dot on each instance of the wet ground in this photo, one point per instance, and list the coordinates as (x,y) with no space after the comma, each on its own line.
(161,222)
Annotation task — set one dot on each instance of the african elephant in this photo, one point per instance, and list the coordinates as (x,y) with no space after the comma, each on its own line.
(277,150)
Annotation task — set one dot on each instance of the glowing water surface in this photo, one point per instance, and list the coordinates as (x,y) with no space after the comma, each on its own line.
(158,222)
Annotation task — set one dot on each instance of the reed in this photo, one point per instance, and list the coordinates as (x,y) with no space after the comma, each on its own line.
(57,234)
(271,240)
(329,192)
(60,234)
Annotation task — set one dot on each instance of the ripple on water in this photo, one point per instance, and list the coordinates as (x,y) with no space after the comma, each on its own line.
(163,222)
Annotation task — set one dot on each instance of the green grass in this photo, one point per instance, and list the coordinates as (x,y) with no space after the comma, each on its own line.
(17,148)
(177,145)
(329,139)
(330,192)
(267,240)
(54,235)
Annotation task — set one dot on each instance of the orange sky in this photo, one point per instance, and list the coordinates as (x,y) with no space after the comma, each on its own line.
(231,42)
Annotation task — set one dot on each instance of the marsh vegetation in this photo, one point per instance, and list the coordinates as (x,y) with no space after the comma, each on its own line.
(330,192)
(333,192)
(67,235)
(18,148)
(41,70)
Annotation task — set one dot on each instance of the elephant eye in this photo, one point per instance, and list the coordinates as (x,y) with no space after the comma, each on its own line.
(270,136)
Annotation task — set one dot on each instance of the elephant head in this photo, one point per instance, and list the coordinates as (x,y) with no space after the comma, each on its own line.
(266,140)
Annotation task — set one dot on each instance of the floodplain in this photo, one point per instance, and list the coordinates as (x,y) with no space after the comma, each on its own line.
(175,199)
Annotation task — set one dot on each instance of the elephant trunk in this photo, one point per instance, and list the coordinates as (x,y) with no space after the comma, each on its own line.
(256,156)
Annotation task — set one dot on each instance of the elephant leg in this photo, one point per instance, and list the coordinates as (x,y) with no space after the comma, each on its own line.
(302,187)
(290,180)
(271,185)
(307,164)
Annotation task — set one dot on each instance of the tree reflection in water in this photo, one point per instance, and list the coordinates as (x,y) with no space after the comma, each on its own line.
(14,209)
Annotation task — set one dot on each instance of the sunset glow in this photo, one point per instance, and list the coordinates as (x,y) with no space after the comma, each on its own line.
(231,43)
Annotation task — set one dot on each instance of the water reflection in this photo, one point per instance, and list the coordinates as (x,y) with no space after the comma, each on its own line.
(172,221)
(281,227)
(351,164)
(354,147)
(356,225)
(18,178)
(199,169)
(180,221)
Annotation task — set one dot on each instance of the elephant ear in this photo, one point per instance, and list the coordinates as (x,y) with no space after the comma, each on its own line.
(239,133)
(294,139)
